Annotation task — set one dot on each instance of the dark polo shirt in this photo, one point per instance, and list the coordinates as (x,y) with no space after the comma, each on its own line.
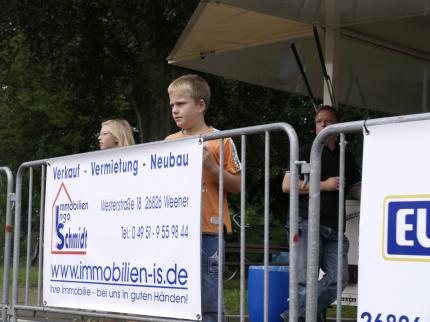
(329,168)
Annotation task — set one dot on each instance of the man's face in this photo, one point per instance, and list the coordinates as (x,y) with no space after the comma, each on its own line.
(185,111)
(323,119)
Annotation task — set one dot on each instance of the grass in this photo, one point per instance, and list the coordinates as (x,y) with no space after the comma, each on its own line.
(232,297)
(21,276)
(348,311)
(232,301)
(231,294)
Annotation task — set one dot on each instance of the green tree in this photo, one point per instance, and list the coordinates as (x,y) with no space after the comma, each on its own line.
(67,65)
(110,54)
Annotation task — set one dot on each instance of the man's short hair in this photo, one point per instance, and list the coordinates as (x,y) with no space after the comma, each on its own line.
(323,107)
(195,85)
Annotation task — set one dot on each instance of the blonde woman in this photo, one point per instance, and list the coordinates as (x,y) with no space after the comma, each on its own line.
(115,133)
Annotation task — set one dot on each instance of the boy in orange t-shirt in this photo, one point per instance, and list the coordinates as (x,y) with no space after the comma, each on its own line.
(189,99)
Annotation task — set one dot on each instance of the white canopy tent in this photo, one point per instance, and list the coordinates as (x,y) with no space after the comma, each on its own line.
(377,51)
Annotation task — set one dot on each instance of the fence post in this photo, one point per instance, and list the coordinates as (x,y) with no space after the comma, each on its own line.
(8,240)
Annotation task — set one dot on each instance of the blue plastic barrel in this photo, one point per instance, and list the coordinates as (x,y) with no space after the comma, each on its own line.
(278,292)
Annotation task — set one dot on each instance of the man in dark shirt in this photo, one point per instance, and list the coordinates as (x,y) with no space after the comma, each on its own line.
(329,210)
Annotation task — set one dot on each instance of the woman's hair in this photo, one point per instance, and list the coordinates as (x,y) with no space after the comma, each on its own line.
(120,130)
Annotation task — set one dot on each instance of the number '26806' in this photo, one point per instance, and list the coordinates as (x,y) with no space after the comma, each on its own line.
(366,316)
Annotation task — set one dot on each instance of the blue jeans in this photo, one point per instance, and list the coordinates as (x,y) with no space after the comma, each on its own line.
(327,285)
(210,258)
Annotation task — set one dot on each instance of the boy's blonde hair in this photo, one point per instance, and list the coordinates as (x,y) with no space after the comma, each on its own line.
(194,85)
(121,131)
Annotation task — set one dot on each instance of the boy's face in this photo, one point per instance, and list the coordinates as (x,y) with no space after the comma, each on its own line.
(185,111)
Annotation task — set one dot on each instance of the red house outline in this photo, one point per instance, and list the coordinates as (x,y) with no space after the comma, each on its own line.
(63,252)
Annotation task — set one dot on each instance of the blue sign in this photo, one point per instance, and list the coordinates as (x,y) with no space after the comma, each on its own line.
(408,228)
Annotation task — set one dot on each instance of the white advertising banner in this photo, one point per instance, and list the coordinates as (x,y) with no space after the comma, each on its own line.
(122,230)
(394,239)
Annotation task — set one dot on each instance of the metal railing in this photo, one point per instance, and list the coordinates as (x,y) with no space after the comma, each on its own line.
(8,229)
(314,220)
(293,211)
(314,202)
(243,133)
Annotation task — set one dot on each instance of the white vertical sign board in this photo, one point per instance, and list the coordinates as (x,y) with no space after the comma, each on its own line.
(122,230)
(394,241)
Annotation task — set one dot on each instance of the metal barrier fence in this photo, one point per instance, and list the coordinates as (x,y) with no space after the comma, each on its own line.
(38,307)
(17,235)
(7,240)
(294,194)
(314,203)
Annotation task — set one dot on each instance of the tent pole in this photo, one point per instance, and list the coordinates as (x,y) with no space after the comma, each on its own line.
(331,45)
(425,88)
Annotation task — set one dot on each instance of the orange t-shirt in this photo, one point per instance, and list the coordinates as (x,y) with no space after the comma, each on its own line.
(210,187)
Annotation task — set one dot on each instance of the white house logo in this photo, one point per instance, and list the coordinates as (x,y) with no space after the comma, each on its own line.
(69,234)
(406,228)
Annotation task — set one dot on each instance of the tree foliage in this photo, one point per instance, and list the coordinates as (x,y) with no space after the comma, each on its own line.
(65,66)
(102,59)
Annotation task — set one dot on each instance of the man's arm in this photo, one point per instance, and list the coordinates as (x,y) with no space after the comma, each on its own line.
(353,175)
(330,184)
(356,191)
(231,181)
(303,188)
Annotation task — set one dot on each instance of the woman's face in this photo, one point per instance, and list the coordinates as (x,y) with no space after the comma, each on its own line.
(106,139)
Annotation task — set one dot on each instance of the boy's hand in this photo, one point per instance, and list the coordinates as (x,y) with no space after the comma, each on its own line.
(209,162)
(231,181)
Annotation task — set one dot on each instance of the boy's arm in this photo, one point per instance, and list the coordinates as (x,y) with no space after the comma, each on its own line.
(231,181)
